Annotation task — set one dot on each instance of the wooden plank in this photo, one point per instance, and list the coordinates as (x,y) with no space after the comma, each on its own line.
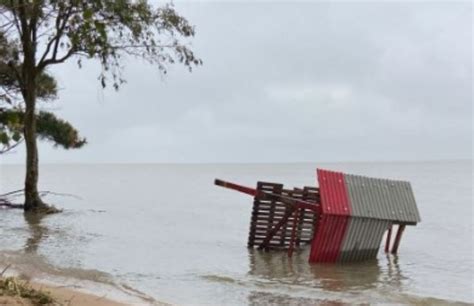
(270,219)
(274,231)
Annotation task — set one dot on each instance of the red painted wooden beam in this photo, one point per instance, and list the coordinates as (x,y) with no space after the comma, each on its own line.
(268,195)
(396,244)
(387,242)
(293,232)
(243,189)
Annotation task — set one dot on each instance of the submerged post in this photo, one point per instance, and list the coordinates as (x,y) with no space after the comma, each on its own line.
(389,237)
(396,244)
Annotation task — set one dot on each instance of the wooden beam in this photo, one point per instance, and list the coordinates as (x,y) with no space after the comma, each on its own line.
(295,203)
(293,233)
(389,237)
(396,244)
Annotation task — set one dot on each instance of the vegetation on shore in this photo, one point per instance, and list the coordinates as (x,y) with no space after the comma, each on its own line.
(16,288)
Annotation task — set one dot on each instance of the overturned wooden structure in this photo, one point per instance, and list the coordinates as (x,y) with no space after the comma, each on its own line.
(344,219)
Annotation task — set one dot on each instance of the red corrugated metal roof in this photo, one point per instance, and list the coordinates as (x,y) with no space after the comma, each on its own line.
(333,190)
(328,238)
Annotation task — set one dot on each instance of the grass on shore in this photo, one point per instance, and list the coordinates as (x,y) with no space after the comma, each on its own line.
(13,287)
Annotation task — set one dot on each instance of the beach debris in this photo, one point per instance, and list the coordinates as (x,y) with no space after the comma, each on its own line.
(7,201)
(344,219)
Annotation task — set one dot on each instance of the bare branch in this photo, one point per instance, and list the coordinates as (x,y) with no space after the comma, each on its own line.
(10,148)
(11,193)
(53,60)
(61,22)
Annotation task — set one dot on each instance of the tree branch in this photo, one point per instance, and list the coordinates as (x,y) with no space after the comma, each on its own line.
(60,26)
(53,60)
(9,148)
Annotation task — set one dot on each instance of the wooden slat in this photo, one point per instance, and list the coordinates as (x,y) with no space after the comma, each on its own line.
(271,219)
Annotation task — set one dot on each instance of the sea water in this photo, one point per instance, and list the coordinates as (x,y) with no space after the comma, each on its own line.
(165,232)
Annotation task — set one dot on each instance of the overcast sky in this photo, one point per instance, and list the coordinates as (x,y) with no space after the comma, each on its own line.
(287,82)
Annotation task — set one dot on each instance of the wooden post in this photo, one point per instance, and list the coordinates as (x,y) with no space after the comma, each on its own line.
(284,228)
(396,244)
(389,237)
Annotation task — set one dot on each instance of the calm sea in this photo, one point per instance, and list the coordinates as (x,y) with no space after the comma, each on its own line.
(165,232)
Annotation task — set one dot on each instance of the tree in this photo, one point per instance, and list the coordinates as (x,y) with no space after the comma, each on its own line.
(49,127)
(43,33)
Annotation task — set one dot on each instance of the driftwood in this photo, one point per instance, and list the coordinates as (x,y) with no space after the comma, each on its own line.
(6,202)
(6,199)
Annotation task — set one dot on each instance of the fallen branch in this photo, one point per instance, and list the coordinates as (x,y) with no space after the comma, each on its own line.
(46,192)
(19,191)
(6,198)
(7,204)
(12,205)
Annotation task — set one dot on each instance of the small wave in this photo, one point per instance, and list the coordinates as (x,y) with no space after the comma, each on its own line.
(139,294)
(268,298)
(34,266)
(408,299)
(219,279)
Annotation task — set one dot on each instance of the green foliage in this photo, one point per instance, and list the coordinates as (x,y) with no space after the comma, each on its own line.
(49,128)
(58,131)
(10,83)
(10,128)
(106,30)
(53,31)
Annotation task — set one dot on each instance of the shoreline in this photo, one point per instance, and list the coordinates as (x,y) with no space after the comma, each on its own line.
(72,291)
(71,295)
(62,295)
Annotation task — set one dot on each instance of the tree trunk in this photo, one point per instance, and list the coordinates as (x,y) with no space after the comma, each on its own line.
(28,18)
(32,198)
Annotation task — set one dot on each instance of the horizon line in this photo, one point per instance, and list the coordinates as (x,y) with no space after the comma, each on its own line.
(242,162)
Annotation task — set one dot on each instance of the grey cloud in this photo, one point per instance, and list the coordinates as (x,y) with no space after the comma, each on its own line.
(289,82)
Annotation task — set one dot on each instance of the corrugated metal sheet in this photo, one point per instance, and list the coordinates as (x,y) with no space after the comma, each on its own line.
(381,199)
(328,238)
(333,191)
(356,212)
(362,239)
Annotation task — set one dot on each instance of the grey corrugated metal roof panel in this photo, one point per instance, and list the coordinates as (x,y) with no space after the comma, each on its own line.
(362,240)
(381,199)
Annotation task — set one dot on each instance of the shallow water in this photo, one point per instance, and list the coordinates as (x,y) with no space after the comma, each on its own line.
(166,231)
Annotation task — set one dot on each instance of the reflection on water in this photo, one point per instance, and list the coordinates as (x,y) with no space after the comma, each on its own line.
(257,298)
(297,274)
(347,277)
(394,277)
(278,267)
(37,232)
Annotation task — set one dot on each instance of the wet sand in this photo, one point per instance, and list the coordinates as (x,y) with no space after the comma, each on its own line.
(68,296)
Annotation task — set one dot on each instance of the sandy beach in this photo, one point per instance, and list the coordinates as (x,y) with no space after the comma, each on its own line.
(64,290)
(62,296)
